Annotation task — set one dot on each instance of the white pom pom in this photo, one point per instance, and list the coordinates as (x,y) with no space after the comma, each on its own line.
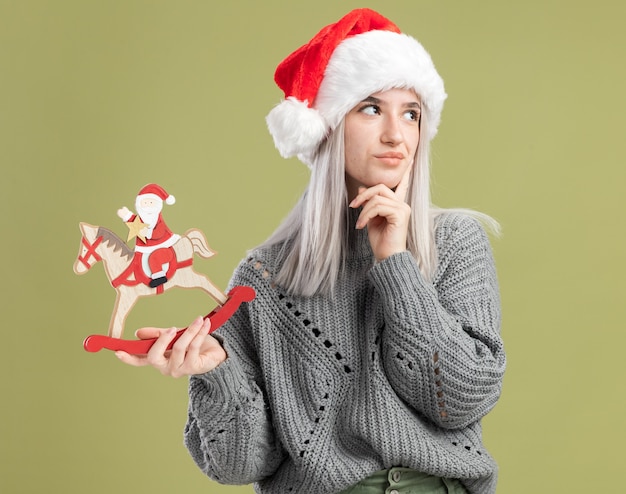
(296,128)
(170,200)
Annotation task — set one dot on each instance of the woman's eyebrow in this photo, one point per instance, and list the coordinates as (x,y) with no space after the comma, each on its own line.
(371,99)
(375,101)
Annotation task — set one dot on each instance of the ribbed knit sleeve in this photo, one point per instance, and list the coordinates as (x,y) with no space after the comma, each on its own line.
(441,343)
(229,432)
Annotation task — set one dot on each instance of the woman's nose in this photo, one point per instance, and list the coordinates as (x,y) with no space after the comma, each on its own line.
(391,131)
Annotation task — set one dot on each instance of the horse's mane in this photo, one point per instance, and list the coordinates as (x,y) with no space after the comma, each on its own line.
(118,244)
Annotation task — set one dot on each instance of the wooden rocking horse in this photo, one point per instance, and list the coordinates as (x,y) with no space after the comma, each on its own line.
(123,267)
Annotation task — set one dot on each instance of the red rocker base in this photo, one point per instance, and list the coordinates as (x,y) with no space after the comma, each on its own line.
(218,316)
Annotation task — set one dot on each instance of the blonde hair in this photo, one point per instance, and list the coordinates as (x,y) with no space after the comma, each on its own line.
(314,235)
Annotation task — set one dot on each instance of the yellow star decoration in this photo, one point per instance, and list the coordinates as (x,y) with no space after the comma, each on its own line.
(134,229)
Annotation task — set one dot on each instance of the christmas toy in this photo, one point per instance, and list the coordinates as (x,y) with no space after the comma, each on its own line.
(160,260)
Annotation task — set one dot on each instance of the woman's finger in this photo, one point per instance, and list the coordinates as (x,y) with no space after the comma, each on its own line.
(200,340)
(181,346)
(148,333)
(390,209)
(367,194)
(134,360)
(156,355)
(403,187)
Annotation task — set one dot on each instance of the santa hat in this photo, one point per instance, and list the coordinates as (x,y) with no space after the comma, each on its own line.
(154,191)
(361,54)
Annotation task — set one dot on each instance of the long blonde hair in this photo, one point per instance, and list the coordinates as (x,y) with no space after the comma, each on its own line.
(314,235)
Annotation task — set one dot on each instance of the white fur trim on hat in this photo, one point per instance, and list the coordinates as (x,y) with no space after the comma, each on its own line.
(376,61)
(295,127)
(169,201)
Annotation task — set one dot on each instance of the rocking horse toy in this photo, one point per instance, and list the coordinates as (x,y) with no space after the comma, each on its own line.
(161,260)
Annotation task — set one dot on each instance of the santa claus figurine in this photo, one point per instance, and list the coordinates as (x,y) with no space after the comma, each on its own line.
(155,239)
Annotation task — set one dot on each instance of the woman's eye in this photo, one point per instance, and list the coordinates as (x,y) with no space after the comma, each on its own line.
(412,115)
(370,110)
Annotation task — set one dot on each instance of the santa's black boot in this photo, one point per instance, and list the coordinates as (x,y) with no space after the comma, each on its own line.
(157,281)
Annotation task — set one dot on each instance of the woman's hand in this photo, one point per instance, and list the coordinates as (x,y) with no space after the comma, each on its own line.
(386,215)
(195,352)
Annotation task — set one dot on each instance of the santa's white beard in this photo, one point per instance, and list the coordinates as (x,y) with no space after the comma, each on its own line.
(149,216)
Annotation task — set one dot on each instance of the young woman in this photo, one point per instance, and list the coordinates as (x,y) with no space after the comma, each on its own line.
(372,350)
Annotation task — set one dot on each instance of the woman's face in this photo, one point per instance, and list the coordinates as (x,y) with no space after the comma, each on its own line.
(381,137)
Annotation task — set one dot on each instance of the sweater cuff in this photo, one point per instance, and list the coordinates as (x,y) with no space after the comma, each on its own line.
(226,383)
(403,289)
(398,276)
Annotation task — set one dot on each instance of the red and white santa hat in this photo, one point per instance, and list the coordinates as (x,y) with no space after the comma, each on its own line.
(154,191)
(361,54)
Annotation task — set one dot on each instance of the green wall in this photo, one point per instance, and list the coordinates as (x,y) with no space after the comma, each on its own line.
(98,98)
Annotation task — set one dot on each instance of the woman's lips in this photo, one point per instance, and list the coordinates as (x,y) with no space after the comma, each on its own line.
(390,158)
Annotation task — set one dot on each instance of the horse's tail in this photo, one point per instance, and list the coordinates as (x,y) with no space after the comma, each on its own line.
(199,243)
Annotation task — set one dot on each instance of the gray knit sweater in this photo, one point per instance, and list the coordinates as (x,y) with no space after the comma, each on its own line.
(318,393)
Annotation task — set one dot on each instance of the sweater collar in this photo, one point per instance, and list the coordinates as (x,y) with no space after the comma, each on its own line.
(358,242)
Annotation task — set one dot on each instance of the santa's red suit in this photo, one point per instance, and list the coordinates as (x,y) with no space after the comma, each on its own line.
(157,247)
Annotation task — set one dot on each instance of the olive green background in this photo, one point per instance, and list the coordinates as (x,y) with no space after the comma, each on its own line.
(98,98)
